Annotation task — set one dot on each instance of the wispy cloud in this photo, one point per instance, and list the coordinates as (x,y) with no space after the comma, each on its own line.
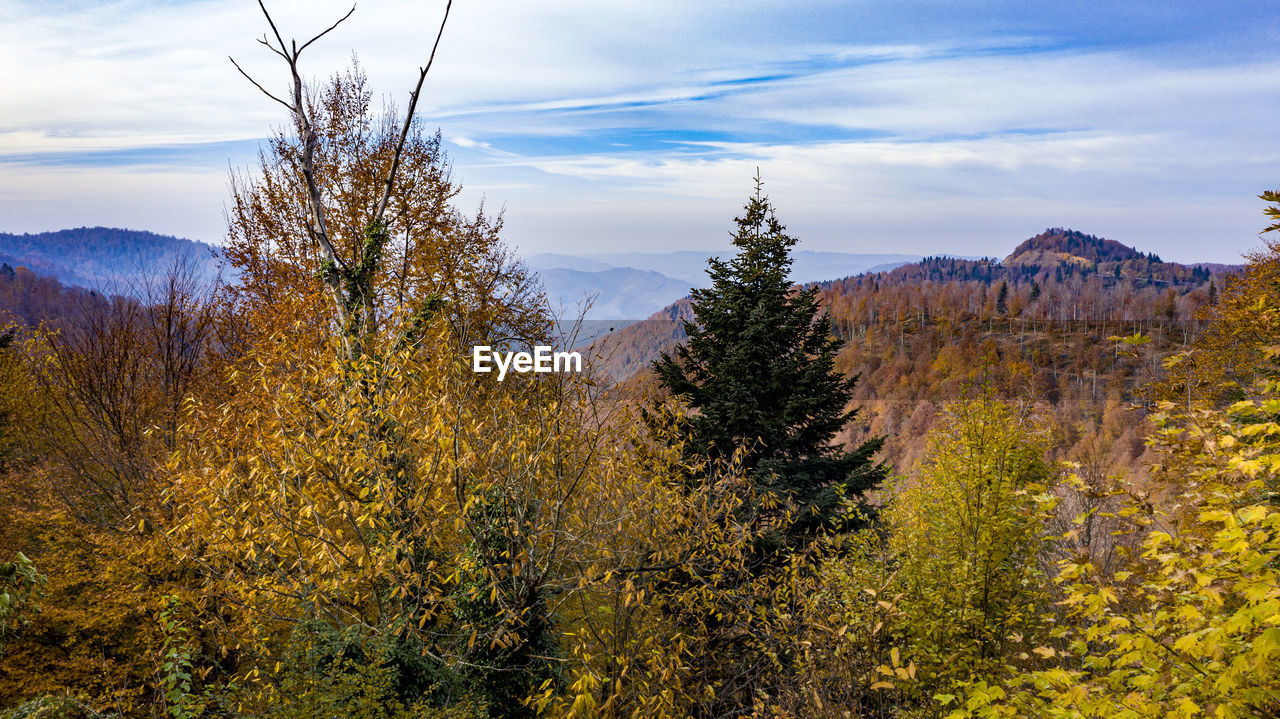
(642,123)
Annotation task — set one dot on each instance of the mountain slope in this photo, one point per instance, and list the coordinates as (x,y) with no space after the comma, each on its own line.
(613,294)
(928,332)
(1061,245)
(653,280)
(104,257)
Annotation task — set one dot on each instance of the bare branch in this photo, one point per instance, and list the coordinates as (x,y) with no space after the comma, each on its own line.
(283,48)
(317,226)
(255,84)
(326,32)
(408,121)
(263,41)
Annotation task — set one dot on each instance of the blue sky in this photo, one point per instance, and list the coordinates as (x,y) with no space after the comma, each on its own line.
(925,127)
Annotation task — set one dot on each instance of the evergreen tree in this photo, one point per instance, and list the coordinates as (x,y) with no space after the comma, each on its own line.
(759,368)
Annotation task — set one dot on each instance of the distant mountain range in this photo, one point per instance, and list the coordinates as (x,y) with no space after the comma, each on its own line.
(919,333)
(609,286)
(614,288)
(609,294)
(1065,265)
(107,259)
(630,285)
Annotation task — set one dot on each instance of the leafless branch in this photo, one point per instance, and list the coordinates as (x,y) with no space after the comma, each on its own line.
(408,120)
(257,85)
(330,29)
(263,41)
(272,23)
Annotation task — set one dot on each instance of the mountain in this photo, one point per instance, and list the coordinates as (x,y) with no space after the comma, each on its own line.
(1057,245)
(1039,323)
(105,258)
(655,279)
(806,266)
(613,294)
(606,291)
(555,260)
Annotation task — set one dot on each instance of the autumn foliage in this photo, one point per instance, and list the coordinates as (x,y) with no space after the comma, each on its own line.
(290,496)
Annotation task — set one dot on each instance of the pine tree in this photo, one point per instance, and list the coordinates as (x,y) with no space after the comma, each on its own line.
(759,368)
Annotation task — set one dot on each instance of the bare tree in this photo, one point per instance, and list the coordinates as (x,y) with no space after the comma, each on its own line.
(346,278)
(114,380)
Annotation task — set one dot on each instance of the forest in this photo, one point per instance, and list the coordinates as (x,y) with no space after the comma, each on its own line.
(1040,325)
(1038,487)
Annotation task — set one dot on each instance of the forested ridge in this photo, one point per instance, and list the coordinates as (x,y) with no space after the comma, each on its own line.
(105,259)
(929,332)
(31,299)
(925,334)
(1040,487)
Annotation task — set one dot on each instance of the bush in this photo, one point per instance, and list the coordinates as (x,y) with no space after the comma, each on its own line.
(54,707)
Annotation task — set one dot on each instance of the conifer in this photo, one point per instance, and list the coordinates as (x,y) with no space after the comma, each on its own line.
(759,369)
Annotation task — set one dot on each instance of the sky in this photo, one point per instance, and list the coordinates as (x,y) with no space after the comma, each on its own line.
(957,127)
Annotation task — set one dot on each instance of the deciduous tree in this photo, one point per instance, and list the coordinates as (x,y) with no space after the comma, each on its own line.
(966,538)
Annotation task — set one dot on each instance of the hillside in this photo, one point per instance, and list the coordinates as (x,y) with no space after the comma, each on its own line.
(105,258)
(31,299)
(616,293)
(1034,324)
(634,285)
(1060,245)
(628,351)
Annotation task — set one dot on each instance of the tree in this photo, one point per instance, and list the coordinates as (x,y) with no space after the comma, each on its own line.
(348,256)
(360,468)
(1223,363)
(1188,627)
(357,207)
(359,496)
(758,368)
(966,537)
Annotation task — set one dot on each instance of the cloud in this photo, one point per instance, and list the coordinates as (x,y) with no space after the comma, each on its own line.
(159,198)
(624,122)
(973,196)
